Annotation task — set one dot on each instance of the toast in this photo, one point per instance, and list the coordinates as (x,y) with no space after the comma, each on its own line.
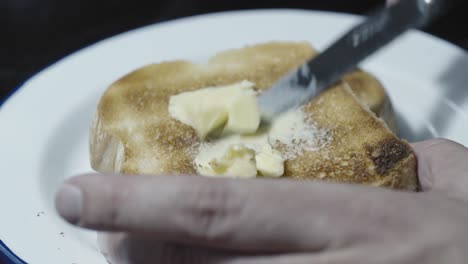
(133,133)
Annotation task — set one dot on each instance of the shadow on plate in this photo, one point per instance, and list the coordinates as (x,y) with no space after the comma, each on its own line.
(454,81)
(406,132)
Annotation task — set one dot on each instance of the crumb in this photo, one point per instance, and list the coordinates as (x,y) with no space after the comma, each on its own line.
(62,234)
(40,213)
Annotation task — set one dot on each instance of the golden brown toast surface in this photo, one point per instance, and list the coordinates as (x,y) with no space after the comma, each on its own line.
(134,134)
(371,93)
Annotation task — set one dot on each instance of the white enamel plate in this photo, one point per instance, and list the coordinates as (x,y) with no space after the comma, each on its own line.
(44,125)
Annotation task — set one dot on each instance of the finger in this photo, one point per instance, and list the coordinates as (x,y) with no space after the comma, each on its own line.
(370,254)
(394,250)
(123,248)
(443,167)
(128,249)
(261,214)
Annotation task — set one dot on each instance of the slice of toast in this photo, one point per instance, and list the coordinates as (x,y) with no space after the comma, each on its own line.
(133,133)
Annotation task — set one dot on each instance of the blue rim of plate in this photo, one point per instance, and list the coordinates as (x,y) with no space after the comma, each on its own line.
(7,256)
(9,95)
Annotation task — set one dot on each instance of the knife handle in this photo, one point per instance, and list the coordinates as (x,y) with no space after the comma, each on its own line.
(367,37)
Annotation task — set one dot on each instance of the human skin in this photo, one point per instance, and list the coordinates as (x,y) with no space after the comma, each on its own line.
(187,219)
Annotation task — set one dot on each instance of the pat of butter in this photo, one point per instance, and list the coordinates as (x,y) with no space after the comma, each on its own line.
(239,156)
(269,162)
(230,109)
(237,161)
(242,149)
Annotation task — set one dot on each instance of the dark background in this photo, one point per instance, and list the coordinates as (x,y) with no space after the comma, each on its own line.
(35,33)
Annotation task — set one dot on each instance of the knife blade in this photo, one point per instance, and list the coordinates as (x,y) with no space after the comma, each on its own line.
(302,84)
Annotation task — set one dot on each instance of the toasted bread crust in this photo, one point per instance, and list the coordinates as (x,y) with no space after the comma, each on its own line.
(371,93)
(362,149)
(134,134)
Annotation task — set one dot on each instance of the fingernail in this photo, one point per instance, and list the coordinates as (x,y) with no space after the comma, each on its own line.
(69,203)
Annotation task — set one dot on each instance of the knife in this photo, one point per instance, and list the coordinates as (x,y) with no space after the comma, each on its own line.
(302,84)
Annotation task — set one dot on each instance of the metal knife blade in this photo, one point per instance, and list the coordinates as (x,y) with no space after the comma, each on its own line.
(301,85)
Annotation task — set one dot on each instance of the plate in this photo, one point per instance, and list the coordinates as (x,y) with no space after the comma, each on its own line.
(44,125)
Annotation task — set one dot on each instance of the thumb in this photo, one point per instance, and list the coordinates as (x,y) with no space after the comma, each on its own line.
(237,215)
(443,167)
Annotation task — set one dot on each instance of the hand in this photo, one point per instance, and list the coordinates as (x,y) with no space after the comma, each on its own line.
(181,219)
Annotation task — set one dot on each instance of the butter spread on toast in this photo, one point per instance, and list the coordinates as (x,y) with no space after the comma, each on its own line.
(227,119)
